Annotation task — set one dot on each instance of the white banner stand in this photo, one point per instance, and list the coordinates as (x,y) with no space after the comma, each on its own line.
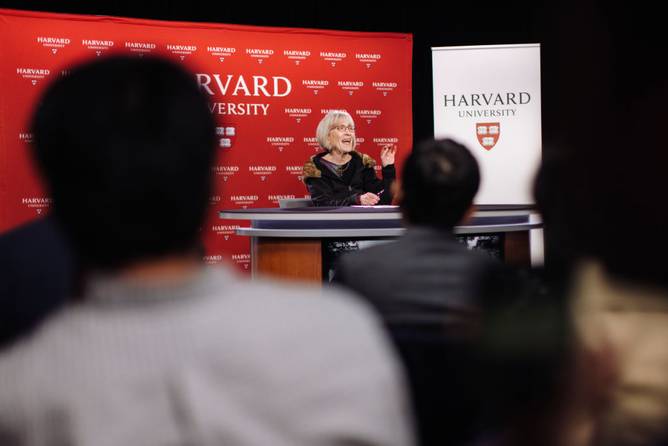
(488,98)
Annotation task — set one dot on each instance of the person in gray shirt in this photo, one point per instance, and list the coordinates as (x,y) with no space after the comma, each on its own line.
(158,349)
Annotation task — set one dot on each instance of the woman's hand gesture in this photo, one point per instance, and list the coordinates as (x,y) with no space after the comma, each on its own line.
(369,199)
(387,155)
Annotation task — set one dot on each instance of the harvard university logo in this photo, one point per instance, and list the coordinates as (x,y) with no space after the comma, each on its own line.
(488,134)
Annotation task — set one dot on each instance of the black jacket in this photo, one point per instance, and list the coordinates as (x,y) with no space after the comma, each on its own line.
(37,276)
(328,189)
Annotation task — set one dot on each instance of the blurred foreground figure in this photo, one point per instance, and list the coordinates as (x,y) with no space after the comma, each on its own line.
(160,349)
(620,288)
(606,215)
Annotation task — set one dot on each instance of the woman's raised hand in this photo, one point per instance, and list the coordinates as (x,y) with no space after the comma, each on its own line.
(387,155)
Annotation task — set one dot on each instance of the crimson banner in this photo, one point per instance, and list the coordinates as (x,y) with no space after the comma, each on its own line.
(268,87)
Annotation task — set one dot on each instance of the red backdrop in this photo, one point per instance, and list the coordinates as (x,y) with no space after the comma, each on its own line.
(269,87)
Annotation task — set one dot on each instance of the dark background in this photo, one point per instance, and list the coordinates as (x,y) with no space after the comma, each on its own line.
(581,41)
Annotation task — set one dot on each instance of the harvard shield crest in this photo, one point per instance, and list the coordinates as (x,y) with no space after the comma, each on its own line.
(488,134)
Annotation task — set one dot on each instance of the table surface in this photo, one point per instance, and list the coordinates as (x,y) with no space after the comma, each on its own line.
(348,213)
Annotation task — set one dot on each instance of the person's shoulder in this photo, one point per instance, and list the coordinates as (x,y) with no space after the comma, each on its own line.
(325,325)
(380,251)
(441,241)
(367,161)
(296,304)
(40,233)
(28,361)
(285,309)
(315,341)
(373,261)
(311,168)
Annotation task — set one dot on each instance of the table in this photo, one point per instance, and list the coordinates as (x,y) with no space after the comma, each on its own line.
(287,242)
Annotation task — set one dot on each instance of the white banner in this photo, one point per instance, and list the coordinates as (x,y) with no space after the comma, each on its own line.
(488,98)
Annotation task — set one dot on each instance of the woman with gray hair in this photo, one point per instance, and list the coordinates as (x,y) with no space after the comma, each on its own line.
(341,176)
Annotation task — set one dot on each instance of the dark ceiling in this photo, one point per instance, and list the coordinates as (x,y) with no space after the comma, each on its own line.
(591,52)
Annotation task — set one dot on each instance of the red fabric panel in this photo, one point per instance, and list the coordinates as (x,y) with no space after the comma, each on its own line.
(269,87)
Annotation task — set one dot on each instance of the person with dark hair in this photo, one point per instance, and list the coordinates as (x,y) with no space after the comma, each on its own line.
(426,286)
(426,276)
(439,182)
(159,349)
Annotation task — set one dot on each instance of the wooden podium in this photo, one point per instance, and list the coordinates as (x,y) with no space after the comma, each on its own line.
(287,242)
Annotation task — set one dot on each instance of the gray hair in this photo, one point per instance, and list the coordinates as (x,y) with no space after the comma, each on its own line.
(326,124)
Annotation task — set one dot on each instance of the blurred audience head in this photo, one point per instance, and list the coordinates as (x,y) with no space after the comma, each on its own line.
(440,179)
(124,145)
(603,199)
(605,131)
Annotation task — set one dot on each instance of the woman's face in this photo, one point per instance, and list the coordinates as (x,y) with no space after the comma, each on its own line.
(342,136)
